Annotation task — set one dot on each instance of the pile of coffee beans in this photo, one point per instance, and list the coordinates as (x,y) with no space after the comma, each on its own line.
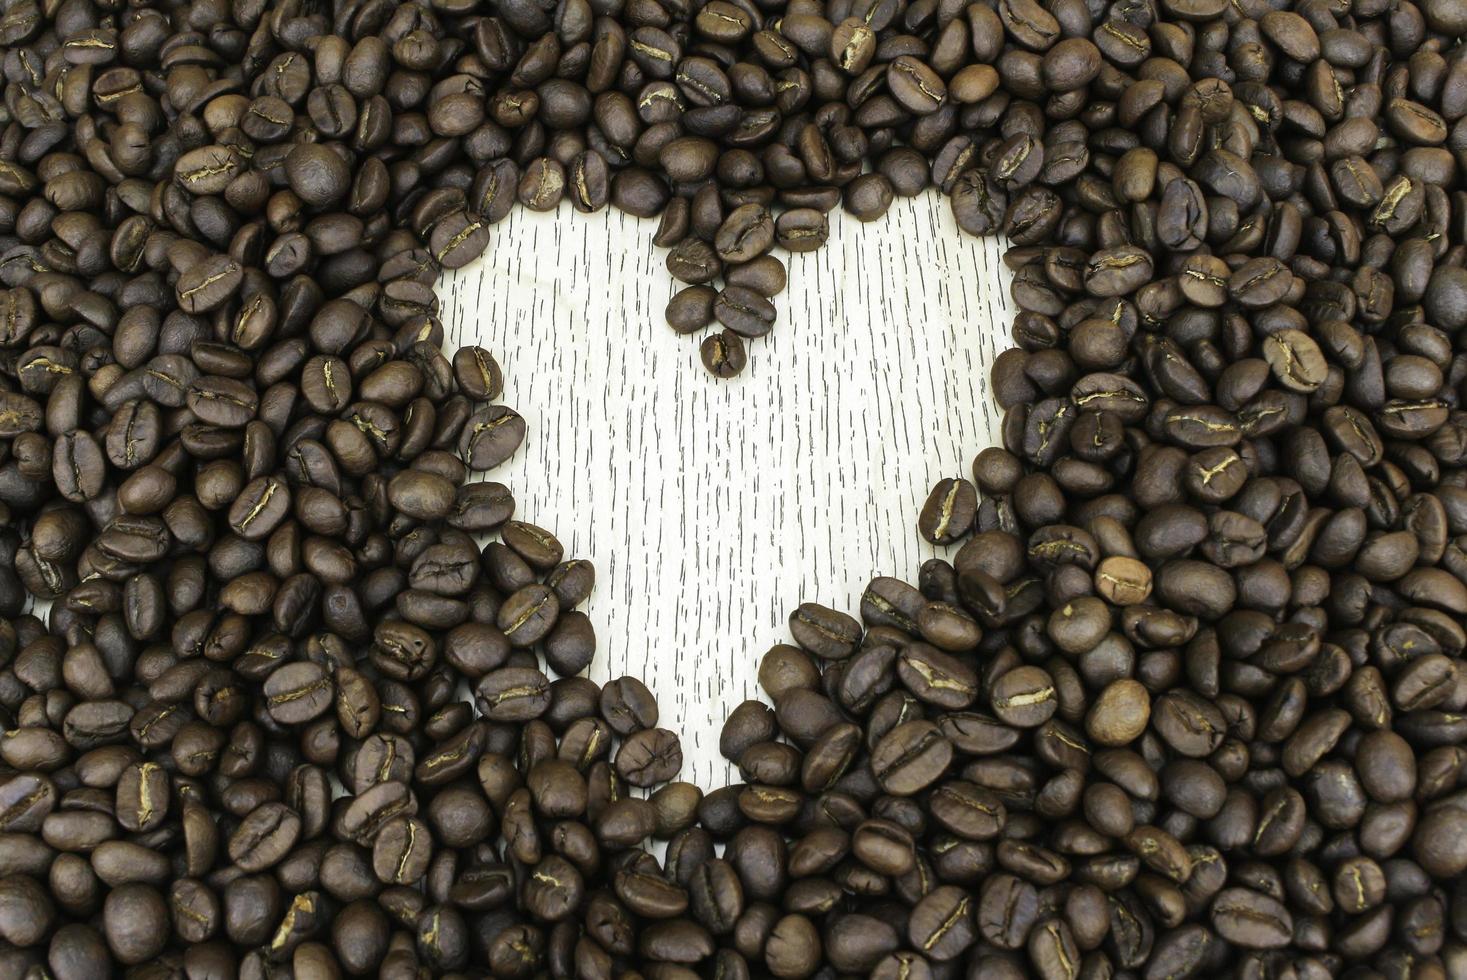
(1188,699)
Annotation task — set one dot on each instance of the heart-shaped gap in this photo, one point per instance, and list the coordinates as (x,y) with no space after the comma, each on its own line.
(712,508)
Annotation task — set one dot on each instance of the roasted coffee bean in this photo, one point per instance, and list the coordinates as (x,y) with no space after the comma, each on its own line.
(978,203)
(694,261)
(723,354)
(801,229)
(910,757)
(264,837)
(143,796)
(942,925)
(1119,714)
(298,692)
(915,85)
(542,186)
(746,234)
(691,309)
(209,283)
(401,851)
(513,694)
(949,512)
(1025,697)
(490,436)
(765,275)
(649,756)
(825,632)
(743,311)
(1250,919)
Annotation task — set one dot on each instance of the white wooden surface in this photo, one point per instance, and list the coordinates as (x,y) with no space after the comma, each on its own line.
(712,508)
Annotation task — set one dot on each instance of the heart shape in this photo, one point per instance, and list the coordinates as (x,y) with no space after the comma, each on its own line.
(712,509)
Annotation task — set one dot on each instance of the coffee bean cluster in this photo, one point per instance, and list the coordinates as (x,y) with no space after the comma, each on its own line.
(1187,700)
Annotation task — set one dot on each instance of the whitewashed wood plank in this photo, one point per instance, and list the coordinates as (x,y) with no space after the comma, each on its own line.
(712,508)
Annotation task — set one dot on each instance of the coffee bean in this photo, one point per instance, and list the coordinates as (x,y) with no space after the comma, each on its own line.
(264,837)
(1117,271)
(478,374)
(915,85)
(801,229)
(1120,713)
(1438,841)
(29,911)
(490,436)
(135,923)
(649,756)
(765,275)
(143,795)
(259,508)
(401,851)
(949,512)
(723,354)
(691,309)
(78,467)
(942,924)
(937,678)
(883,846)
(743,311)
(513,694)
(910,757)
(1296,360)
(694,261)
(317,175)
(1025,697)
(793,947)
(1052,949)
(746,234)
(298,692)
(1250,919)
(208,284)
(978,203)
(543,184)
(825,632)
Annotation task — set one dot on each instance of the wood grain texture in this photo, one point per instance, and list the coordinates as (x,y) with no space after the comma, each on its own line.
(711,509)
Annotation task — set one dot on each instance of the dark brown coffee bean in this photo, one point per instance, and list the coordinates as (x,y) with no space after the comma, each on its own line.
(765,275)
(801,229)
(1025,697)
(915,85)
(723,354)
(458,239)
(209,284)
(143,795)
(298,692)
(490,436)
(1250,919)
(910,757)
(513,694)
(401,851)
(691,309)
(264,837)
(942,925)
(694,261)
(949,512)
(649,756)
(978,202)
(746,234)
(135,923)
(744,311)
